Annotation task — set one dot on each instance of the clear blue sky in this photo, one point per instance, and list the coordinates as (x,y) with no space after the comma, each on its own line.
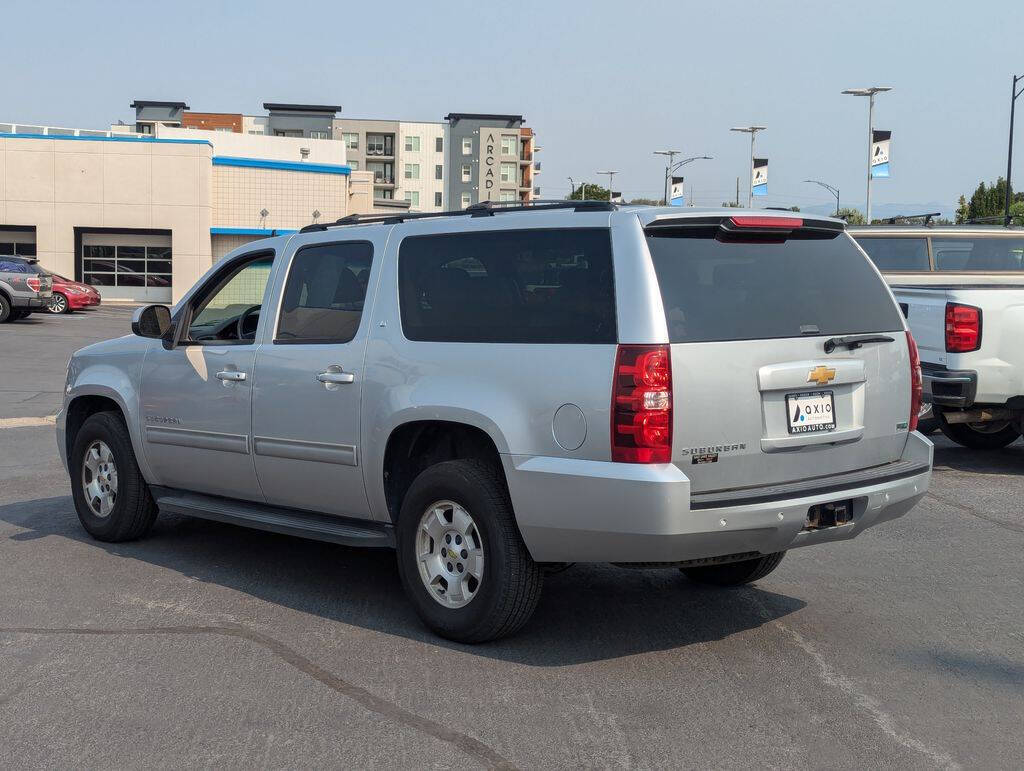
(603,83)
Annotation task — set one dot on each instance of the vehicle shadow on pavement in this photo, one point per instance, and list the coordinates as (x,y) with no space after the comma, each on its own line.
(587,613)
(1008,460)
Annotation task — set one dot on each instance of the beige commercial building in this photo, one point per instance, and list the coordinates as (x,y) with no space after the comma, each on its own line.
(142,217)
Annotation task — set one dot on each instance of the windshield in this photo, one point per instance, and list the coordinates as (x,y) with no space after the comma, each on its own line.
(732,290)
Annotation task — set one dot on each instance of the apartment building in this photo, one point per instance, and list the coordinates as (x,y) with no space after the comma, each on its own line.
(427,166)
(491,158)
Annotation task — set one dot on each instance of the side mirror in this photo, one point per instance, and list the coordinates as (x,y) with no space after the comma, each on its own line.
(151,321)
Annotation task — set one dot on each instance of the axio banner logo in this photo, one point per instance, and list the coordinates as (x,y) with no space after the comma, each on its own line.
(759,177)
(880,152)
(676,197)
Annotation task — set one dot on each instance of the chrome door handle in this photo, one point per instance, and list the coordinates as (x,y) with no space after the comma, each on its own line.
(336,377)
(231,375)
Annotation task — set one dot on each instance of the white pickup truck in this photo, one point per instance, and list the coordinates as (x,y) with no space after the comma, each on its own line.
(962,291)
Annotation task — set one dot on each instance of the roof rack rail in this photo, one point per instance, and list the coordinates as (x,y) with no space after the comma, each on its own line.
(926,217)
(1000,219)
(481,209)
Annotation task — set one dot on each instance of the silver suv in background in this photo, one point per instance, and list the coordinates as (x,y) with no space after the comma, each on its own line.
(497,391)
(24,288)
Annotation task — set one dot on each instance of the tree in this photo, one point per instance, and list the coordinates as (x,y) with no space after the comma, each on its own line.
(961,211)
(730,205)
(648,201)
(988,202)
(852,216)
(794,208)
(594,192)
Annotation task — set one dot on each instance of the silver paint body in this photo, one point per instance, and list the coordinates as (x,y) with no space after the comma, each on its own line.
(284,437)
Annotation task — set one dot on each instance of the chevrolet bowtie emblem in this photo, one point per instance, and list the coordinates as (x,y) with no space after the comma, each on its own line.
(821,375)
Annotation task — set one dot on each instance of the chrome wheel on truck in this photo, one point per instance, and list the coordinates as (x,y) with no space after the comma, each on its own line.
(449,554)
(99,478)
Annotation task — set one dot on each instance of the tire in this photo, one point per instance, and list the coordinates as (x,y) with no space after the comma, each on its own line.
(510,581)
(993,438)
(928,426)
(735,573)
(133,511)
(5,309)
(59,303)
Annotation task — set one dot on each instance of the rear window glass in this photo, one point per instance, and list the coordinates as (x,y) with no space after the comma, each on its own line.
(14,266)
(514,286)
(718,290)
(897,253)
(993,254)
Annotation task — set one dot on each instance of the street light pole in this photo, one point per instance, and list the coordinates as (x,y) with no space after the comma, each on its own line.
(833,190)
(572,187)
(1009,152)
(611,176)
(752,130)
(870,94)
(668,167)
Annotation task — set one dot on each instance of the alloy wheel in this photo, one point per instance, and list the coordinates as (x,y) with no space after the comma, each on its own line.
(449,554)
(99,478)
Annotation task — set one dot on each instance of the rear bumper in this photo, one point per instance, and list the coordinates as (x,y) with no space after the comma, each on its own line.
(29,302)
(589,511)
(949,387)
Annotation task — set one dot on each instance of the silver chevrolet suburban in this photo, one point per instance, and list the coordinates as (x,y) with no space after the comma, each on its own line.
(499,391)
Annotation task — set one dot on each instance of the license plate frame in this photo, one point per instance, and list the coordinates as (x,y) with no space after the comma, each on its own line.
(804,426)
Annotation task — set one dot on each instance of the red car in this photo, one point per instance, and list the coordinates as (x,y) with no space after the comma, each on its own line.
(71,295)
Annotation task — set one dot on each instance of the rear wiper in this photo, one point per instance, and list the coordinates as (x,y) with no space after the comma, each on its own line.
(854,341)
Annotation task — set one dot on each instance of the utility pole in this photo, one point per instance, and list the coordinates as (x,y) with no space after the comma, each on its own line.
(1014,93)
(870,94)
(672,167)
(752,130)
(737,192)
(572,186)
(833,190)
(671,156)
(611,176)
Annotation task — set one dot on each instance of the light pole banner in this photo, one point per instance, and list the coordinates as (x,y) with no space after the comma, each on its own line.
(676,198)
(880,153)
(759,177)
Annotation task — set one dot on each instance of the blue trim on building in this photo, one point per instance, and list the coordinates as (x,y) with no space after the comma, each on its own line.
(251,231)
(259,163)
(109,139)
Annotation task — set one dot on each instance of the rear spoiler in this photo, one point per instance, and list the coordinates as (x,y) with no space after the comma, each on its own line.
(752,226)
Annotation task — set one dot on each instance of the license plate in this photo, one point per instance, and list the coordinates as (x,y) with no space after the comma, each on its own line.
(810,411)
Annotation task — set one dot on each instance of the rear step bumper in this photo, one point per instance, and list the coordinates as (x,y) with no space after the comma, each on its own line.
(589,511)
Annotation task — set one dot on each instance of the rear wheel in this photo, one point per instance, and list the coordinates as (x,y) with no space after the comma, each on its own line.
(462,561)
(990,435)
(5,309)
(735,573)
(111,497)
(58,304)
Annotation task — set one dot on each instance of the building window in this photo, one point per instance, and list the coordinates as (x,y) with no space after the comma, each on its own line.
(412,171)
(439,144)
(438,171)
(508,172)
(413,197)
(437,199)
(383,172)
(258,131)
(138,266)
(466,172)
(319,134)
(351,139)
(509,144)
(380,144)
(412,144)
(467,146)
(354,165)
(383,193)
(465,200)
(507,195)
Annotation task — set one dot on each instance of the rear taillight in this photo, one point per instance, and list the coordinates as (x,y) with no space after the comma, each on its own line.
(963,328)
(915,382)
(642,404)
(33,283)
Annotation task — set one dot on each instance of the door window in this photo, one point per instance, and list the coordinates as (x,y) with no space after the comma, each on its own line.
(229,311)
(324,294)
(896,254)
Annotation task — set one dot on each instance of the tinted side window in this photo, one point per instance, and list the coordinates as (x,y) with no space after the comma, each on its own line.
(324,294)
(12,266)
(722,290)
(978,253)
(897,253)
(514,286)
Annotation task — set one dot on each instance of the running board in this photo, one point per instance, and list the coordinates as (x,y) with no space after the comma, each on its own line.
(304,524)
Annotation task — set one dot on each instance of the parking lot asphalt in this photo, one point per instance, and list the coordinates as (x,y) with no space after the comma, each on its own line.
(210,645)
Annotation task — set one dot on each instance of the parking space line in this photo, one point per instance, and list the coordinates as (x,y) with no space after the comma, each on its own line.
(49,420)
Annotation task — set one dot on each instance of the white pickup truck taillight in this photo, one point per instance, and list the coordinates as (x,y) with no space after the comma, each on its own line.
(963,328)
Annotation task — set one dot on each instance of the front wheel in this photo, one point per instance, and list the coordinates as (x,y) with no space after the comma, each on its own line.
(991,435)
(5,309)
(58,304)
(735,573)
(460,556)
(111,497)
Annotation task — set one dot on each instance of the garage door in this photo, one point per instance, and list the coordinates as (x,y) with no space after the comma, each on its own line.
(126,266)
